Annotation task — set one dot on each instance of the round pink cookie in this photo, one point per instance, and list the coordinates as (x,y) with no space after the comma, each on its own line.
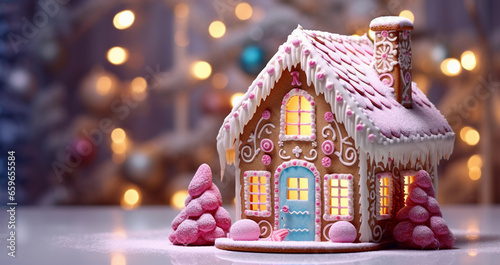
(206,222)
(403,213)
(438,226)
(194,209)
(214,234)
(422,236)
(245,230)
(418,214)
(446,241)
(187,232)
(433,206)
(403,231)
(423,179)
(418,195)
(222,218)
(201,181)
(343,232)
(179,219)
(208,200)
(216,192)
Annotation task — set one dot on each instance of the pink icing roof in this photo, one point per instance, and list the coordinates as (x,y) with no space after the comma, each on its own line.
(351,60)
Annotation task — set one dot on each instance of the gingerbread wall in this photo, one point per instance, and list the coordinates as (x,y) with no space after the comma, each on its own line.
(309,149)
(382,229)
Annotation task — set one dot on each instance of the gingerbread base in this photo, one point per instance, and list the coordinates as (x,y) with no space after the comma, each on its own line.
(298,246)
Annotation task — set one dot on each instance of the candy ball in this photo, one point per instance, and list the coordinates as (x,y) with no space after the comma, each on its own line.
(343,232)
(244,230)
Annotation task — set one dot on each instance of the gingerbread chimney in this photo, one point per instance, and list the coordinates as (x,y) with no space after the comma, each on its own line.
(392,55)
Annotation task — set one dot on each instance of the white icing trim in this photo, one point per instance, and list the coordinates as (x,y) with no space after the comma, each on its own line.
(246,181)
(325,234)
(326,190)
(390,195)
(289,55)
(247,154)
(364,228)
(283,136)
(237,185)
(317,189)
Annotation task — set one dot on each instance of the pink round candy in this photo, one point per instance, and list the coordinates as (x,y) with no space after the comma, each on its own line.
(201,181)
(418,214)
(422,236)
(266,160)
(403,231)
(343,232)
(244,230)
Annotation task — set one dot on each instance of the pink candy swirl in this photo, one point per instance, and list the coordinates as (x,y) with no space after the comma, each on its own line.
(328,147)
(266,114)
(328,116)
(326,161)
(266,160)
(266,145)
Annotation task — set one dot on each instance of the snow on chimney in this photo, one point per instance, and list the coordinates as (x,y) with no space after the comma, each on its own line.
(392,54)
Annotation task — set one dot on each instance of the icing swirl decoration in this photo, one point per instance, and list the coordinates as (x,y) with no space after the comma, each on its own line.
(385,57)
(250,151)
(266,145)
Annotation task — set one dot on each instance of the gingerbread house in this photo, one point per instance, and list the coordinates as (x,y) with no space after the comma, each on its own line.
(333,128)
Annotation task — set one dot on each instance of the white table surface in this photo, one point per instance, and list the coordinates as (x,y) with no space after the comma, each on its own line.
(110,235)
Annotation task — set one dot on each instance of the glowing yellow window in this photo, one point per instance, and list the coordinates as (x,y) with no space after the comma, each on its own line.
(385,196)
(408,177)
(339,197)
(298,189)
(258,194)
(298,116)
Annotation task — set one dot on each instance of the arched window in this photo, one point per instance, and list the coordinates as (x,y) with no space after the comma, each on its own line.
(297,116)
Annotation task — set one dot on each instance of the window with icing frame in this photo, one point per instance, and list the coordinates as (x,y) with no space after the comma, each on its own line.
(384,200)
(297,116)
(257,193)
(407,177)
(338,192)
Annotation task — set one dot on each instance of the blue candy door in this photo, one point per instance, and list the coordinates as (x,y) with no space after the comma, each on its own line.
(297,203)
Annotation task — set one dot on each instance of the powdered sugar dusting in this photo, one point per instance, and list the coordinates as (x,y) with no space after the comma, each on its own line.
(392,22)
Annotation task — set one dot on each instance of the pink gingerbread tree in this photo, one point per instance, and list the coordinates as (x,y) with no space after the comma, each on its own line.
(420,223)
(203,219)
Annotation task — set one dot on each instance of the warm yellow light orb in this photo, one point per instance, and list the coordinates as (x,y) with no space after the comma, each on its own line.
(475,173)
(407,14)
(131,197)
(201,69)
(236,99)
(177,200)
(243,11)
(217,29)
(117,55)
(468,60)
(475,161)
(118,259)
(471,136)
(451,67)
(371,34)
(139,85)
(181,10)
(118,135)
(124,19)
(103,85)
